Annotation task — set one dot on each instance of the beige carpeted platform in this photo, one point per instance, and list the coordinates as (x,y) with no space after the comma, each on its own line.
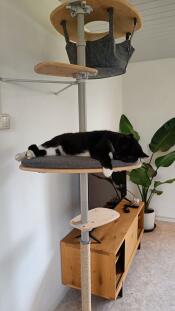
(150,284)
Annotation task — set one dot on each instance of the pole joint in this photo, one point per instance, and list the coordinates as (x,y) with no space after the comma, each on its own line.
(81,76)
(85,242)
(79,7)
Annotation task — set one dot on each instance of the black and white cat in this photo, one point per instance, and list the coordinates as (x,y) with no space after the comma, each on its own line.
(100,145)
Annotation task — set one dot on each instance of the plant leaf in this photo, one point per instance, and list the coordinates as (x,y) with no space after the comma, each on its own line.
(166,160)
(140,177)
(126,127)
(158,183)
(164,138)
(157,192)
(150,170)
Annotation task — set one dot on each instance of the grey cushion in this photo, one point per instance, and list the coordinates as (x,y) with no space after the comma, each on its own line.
(67,162)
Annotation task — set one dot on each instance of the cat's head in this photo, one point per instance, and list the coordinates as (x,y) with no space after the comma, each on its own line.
(129,149)
(33,149)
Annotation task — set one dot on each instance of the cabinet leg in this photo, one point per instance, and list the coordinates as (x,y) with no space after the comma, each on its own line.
(139,247)
(121,293)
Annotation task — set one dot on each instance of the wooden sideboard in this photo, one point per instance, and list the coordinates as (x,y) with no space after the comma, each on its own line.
(111,259)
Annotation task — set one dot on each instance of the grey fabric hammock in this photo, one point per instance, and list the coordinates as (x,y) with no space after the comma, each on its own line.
(109,58)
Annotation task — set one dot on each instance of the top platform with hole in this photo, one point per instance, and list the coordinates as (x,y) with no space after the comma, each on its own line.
(124,13)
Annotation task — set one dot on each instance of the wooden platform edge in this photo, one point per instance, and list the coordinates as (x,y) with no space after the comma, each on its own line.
(78,171)
(98,217)
(60,13)
(63,69)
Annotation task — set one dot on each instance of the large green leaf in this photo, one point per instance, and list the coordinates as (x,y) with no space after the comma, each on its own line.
(126,127)
(164,138)
(165,160)
(150,170)
(140,177)
(159,183)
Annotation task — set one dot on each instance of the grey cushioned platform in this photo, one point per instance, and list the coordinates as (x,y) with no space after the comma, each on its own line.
(67,162)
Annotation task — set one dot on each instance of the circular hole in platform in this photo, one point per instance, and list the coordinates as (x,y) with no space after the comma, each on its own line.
(97,27)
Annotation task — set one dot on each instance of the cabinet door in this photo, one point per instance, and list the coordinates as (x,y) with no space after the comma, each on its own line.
(131,241)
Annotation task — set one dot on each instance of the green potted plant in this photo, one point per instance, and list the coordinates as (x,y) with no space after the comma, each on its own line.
(146,177)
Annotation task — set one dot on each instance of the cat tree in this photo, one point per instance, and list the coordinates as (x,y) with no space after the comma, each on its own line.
(77,14)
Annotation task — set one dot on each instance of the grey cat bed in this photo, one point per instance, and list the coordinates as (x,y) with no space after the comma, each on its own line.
(68,162)
(109,58)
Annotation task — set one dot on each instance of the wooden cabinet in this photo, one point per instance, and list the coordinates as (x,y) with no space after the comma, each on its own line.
(131,241)
(111,259)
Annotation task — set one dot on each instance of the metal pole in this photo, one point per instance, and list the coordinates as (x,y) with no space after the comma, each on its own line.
(85,241)
(81,60)
(35,81)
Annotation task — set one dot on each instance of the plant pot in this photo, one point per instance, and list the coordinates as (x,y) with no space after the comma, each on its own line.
(149,220)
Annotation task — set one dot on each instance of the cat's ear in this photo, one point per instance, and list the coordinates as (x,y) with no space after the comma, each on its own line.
(34,149)
(31,147)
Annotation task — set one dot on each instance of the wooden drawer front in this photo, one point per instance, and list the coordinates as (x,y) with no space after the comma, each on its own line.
(70,264)
(103,275)
(130,241)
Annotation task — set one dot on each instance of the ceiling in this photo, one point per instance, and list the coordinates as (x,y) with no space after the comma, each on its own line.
(154,41)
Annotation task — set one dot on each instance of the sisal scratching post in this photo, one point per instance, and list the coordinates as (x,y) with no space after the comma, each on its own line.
(86,277)
(85,246)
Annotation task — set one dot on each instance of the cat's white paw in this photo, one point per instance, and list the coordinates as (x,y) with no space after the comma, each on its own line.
(107,172)
(20,156)
(30,154)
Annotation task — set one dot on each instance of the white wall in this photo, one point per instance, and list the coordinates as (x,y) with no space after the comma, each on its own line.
(149,101)
(35,209)
(104,104)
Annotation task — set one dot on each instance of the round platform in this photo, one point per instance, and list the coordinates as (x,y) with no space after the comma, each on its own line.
(62,69)
(72,165)
(124,13)
(97,217)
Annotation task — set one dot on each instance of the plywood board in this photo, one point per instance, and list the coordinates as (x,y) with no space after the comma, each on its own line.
(124,13)
(62,70)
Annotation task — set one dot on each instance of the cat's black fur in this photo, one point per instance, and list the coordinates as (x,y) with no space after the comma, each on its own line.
(101,145)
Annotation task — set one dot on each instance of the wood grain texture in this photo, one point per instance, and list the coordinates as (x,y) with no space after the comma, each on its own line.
(62,70)
(131,240)
(79,171)
(110,260)
(124,13)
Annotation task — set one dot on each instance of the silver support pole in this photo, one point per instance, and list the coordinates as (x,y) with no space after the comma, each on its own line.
(35,81)
(81,60)
(85,241)
(82,106)
(62,90)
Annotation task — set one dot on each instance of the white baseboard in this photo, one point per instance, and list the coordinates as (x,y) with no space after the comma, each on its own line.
(165,219)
